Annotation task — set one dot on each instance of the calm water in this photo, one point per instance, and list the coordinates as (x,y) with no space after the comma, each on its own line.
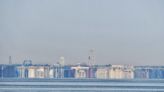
(80,85)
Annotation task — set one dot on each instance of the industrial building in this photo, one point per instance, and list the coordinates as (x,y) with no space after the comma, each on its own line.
(60,70)
(149,72)
(80,71)
(121,72)
(8,71)
(102,72)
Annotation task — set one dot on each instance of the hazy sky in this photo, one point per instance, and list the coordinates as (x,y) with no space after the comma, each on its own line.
(121,31)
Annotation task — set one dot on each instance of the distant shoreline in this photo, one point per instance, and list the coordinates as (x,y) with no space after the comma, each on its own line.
(77,80)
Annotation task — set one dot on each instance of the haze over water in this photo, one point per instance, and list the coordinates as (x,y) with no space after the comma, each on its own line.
(122,32)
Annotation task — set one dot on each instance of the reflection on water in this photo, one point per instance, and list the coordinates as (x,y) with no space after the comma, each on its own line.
(80,85)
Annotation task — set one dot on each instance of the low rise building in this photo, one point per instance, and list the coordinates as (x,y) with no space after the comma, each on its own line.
(33,71)
(92,72)
(121,72)
(149,72)
(141,72)
(80,71)
(8,71)
(102,72)
(68,72)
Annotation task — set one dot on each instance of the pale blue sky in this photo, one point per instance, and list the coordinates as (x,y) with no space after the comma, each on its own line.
(121,31)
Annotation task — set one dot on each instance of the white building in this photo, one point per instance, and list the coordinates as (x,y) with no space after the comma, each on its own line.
(81,71)
(21,71)
(102,73)
(115,72)
(121,72)
(33,71)
(51,73)
(56,71)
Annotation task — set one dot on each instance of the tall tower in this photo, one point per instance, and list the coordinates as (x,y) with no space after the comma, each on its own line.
(61,61)
(91,58)
(60,68)
(10,61)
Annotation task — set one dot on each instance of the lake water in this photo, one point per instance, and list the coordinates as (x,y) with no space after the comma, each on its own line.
(80,85)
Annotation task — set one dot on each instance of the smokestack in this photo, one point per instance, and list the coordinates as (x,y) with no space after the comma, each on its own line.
(10,61)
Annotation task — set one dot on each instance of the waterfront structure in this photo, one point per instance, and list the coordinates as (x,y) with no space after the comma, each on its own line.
(80,71)
(28,70)
(68,72)
(22,72)
(33,71)
(115,72)
(102,72)
(121,72)
(149,72)
(128,72)
(60,70)
(1,71)
(8,71)
(156,72)
(51,72)
(92,72)
(141,72)
(57,71)
(38,71)
(27,62)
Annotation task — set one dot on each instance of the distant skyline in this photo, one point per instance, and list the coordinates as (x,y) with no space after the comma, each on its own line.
(120,31)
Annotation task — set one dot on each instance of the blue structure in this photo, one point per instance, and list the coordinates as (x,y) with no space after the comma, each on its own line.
(68,72)
(22,71)
(162,73)
(156,72)
(27,62)
(8,71)
(1,73)
(92,72)
(149,72)
(141,74)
